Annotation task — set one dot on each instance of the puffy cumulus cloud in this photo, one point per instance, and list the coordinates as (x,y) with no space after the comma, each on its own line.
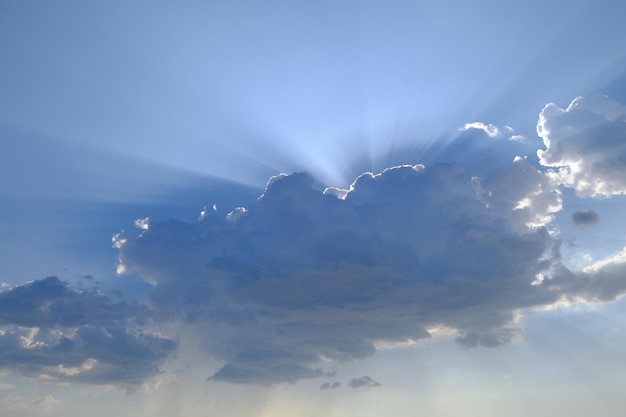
(585,218)
(51,331)
(523,194)
(585,145)
(303,278)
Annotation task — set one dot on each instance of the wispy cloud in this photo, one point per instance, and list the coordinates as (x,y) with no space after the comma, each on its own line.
(490,130)
(364,381)
(16,402)
(494,131)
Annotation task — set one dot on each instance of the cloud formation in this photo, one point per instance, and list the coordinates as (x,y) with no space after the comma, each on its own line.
(51,330)
(585,145)
(301,277)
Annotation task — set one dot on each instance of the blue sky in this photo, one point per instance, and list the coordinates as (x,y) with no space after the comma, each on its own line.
(442,233)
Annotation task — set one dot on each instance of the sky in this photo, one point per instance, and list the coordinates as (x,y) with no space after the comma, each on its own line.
(339,209)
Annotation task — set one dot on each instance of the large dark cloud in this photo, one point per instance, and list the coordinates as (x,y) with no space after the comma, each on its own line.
(302,277)
(52,330)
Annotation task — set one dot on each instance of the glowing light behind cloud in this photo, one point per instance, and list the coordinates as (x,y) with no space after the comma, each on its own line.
(335,93)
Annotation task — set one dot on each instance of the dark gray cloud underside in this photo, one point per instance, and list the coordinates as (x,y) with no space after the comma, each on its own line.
(50,329)
(303,275)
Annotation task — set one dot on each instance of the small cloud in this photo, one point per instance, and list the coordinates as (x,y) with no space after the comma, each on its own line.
(491,130)
(364,381)
(328,385)
(585,218)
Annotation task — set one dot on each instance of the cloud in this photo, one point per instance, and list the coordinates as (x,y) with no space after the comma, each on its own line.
(51,330)
(48,302)
(490,130)
(601,282)
(364,381)
(585,218)
(303,277)
(328,385)
(494,131)
(585,145)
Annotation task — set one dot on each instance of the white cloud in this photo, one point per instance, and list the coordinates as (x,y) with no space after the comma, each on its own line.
(585,145)
(490,130)
(494,131)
